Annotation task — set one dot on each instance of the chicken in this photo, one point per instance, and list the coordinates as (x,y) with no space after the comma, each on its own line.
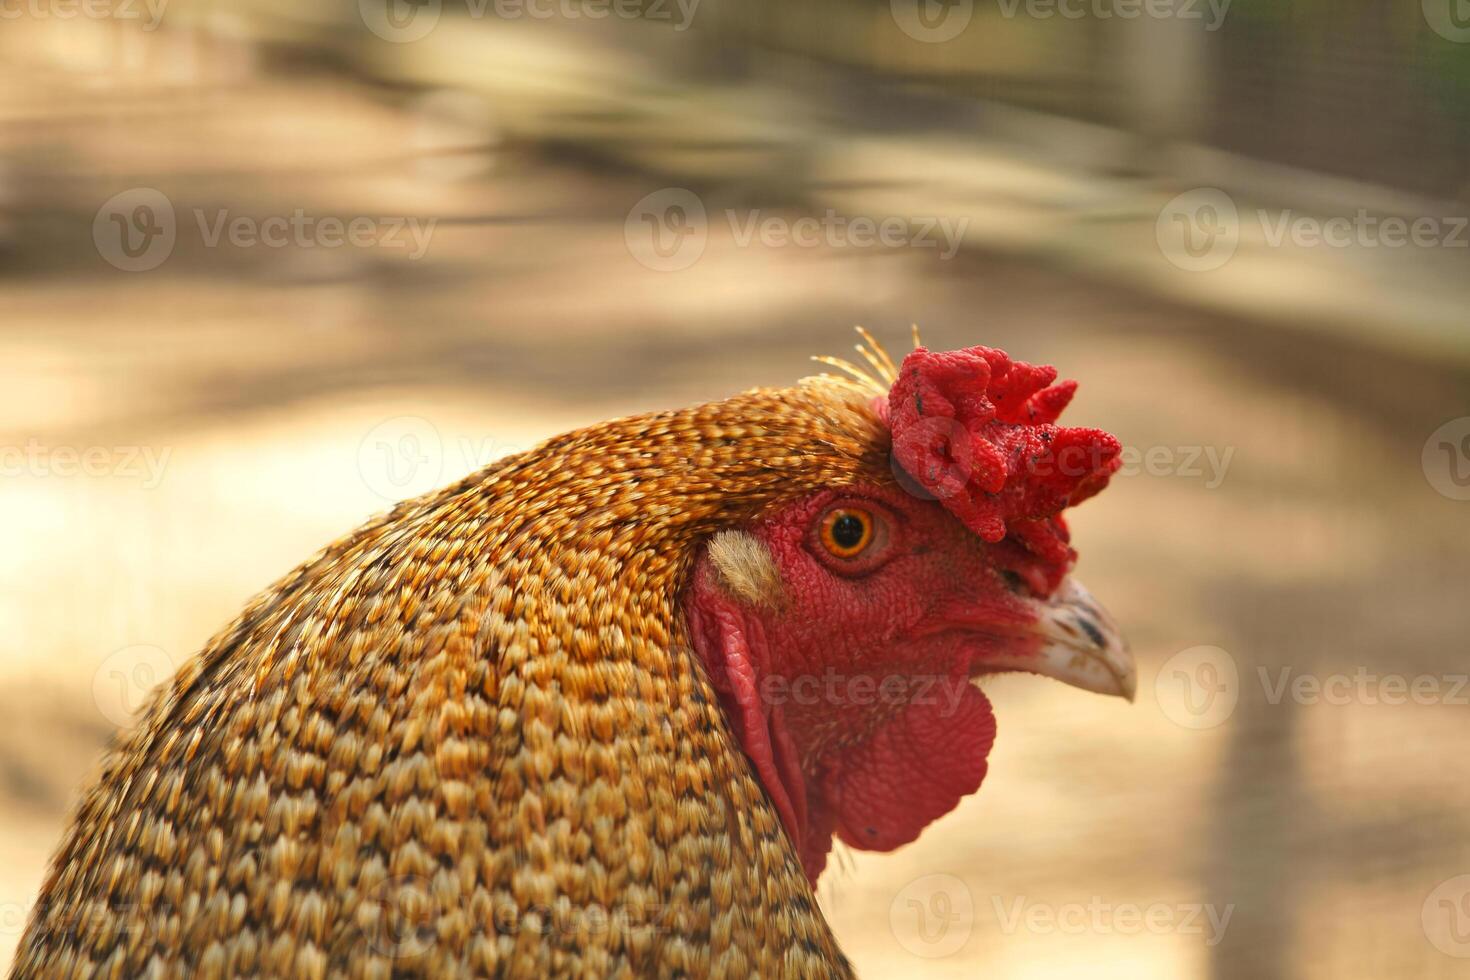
(601,708)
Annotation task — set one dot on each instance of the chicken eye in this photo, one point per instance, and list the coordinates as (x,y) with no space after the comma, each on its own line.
(847,531)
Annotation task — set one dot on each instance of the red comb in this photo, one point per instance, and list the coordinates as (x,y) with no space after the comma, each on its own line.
(976,430)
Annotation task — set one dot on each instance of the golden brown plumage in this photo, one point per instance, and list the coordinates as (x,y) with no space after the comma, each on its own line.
(471,738)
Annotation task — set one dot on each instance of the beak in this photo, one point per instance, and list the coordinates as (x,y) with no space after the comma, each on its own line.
(1080,645)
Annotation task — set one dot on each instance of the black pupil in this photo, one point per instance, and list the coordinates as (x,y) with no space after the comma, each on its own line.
(848,531)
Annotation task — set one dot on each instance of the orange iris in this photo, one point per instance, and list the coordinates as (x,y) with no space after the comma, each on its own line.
(846,531)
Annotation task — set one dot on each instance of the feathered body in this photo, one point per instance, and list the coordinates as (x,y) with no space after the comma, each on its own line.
(470,738)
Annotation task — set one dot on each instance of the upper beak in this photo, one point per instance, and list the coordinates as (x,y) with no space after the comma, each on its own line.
(1080,645)
(1083,646)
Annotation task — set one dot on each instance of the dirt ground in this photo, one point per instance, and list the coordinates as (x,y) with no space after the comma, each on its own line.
(241,406)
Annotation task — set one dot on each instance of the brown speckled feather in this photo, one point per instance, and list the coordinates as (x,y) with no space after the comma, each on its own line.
(470,739)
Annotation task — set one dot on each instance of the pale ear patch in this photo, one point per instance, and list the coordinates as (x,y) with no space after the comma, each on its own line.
(746,569)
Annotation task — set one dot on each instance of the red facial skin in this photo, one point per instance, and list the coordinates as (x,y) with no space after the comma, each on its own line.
(853,698)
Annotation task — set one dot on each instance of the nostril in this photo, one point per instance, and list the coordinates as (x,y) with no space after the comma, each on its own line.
(1013,581)
(1093,633)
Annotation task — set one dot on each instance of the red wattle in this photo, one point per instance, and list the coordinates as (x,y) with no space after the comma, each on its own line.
(911,771)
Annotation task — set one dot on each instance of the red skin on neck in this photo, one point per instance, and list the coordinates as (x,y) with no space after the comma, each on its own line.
(853,699)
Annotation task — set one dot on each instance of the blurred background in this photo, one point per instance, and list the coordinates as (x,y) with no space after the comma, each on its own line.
(266,267)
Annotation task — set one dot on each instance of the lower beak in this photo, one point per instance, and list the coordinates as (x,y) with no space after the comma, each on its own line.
(1080,645)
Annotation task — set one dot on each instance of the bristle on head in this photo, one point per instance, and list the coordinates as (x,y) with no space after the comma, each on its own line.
(877,377)
(976,430)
